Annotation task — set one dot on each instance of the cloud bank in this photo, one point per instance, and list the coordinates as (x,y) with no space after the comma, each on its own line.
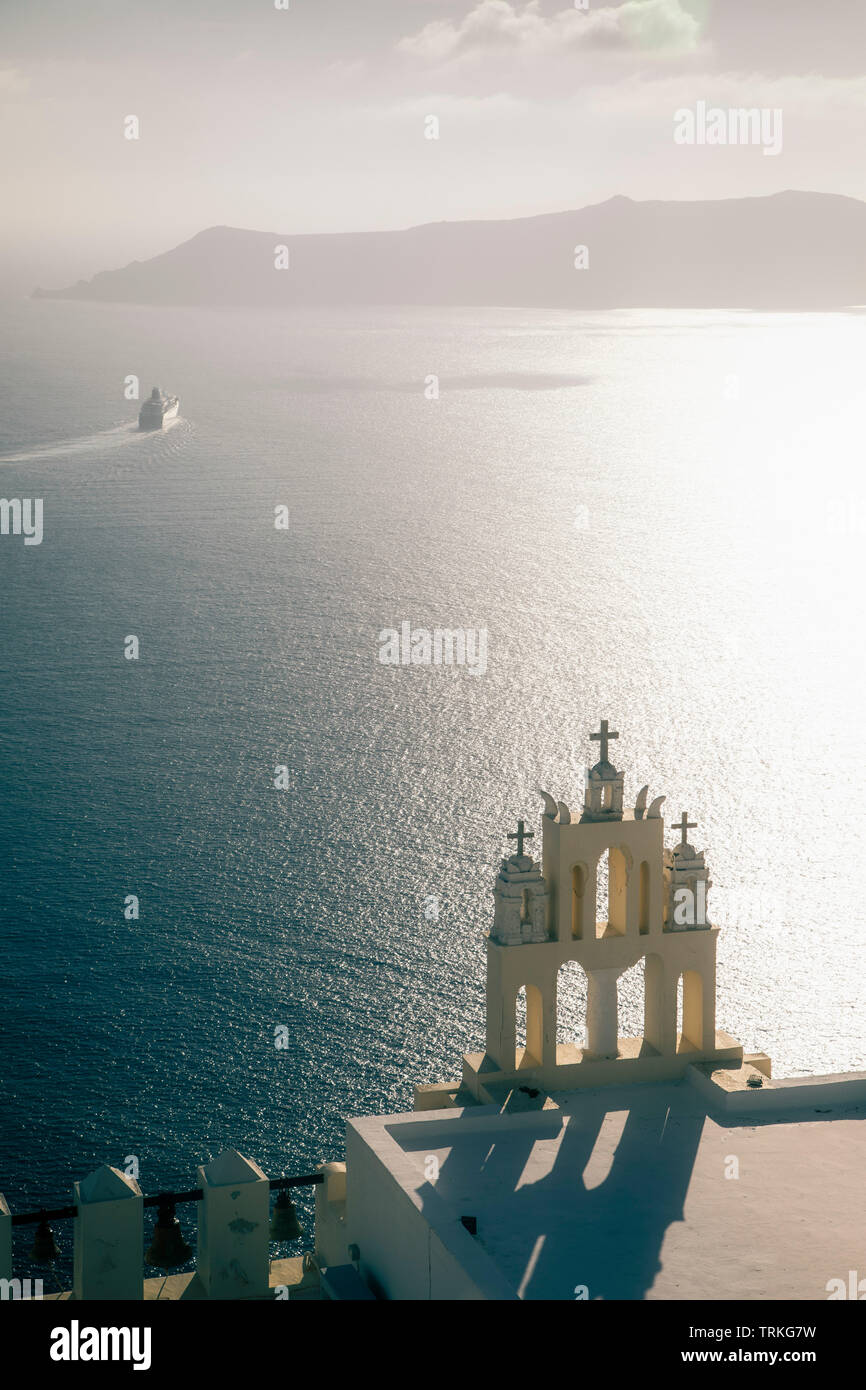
(661,26)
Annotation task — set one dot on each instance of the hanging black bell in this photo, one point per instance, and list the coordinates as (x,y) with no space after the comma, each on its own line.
(168,1248)
(284,1221)
(44,1250)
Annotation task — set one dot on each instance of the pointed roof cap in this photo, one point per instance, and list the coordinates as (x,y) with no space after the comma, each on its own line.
(107,1185)
(231,1167)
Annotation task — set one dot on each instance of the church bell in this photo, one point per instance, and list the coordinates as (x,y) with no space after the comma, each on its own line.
(168,1248)
(44,1250)
(284,1222)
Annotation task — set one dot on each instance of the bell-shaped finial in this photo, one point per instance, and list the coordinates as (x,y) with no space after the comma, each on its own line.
(284,1221)
(168,1248)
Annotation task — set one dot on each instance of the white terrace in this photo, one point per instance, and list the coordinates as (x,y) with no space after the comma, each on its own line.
(702,1188)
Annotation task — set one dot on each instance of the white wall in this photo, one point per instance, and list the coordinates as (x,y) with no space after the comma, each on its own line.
(412,1244)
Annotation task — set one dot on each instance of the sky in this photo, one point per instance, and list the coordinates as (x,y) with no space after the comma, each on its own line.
(315,117)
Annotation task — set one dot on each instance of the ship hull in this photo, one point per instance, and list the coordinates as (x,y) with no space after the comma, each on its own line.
(155,419)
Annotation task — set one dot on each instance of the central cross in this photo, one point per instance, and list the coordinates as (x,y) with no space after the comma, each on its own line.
(683,826)
(603,737)
(520,834)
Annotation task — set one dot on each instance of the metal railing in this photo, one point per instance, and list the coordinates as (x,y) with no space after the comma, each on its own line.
(158,1199)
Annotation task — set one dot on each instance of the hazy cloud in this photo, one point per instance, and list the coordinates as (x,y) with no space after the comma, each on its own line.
(12,81)
(496,105)
(493,25)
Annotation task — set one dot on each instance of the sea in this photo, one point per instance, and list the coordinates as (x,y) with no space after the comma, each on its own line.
(656,517)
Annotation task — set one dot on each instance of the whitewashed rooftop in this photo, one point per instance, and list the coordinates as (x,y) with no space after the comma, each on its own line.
(629,1191)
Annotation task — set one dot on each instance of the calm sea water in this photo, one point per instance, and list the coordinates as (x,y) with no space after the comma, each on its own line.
(658,517)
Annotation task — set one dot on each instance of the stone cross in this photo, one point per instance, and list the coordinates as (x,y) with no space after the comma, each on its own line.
(684,825)
(602,737)
(520,835)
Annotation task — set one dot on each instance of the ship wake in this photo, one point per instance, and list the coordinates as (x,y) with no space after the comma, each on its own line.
(115,438)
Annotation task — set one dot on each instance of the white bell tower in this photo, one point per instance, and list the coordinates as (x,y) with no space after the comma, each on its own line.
(544,917)
(521,899)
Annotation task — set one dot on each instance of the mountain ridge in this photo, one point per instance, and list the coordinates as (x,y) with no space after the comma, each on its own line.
(787,250)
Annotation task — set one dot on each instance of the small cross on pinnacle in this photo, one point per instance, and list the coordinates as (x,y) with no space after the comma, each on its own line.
(684,825)
(520,834)
(602,737)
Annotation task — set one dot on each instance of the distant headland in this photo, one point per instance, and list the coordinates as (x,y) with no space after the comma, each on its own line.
(786,251)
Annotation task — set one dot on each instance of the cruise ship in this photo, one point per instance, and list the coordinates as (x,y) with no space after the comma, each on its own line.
(157,409)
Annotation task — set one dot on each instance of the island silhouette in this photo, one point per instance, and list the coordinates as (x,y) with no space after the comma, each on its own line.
(786,251)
